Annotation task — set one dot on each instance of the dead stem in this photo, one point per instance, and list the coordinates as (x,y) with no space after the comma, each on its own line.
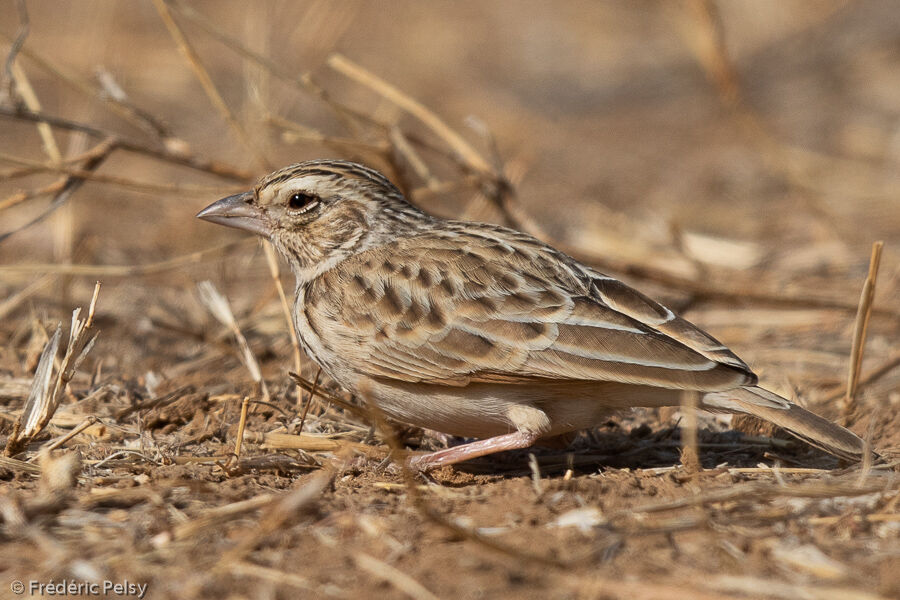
(53,445)
(394,576)
(63,189)
(859,331)
(125,182)
(281,510)
(19,465)
(14,300)
(220,308)
(216,517)
(304,82)
(174,154)
(23,86)
(294,132)
(127,270)
(690,452)
(310,387)
(247,569)
(193,59)
(869,378)
(710,49)
(463,149)
(14,48)
(46,392)
(275,274)
(309,401)
(130,113)
(242,424)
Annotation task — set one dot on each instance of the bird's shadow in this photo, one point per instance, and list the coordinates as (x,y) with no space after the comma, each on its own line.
(646,448)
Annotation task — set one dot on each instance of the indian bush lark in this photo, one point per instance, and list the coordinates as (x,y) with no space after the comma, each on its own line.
(482,331)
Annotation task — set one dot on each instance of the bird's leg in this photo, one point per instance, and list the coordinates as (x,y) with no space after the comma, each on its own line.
(509,441)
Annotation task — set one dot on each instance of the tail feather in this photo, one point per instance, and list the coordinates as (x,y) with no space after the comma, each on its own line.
(808,426)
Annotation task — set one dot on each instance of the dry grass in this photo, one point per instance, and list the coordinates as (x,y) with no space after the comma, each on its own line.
(738,163)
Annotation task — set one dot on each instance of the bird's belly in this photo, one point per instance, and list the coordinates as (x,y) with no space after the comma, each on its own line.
(453,410)
(487,409)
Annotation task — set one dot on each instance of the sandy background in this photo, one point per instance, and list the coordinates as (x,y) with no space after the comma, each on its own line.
(734,159)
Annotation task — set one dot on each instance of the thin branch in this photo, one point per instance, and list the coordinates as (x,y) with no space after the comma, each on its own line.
(275,274)
(187,50)
(405,149)
(11,303)
(294,132)
(462,148)
(871,377)
(242,424)
(127,111)
(15,47)
(115,98)
(125,182)
(220,308)
(312,395)
(397,578)
(125,270)
(280,511)
(304,82)
(66,187)
(54,444)
(164,153)
(311,387)
(711,52)
(23,85)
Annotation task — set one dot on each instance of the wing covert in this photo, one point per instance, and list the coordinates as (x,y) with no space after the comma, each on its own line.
(424,311)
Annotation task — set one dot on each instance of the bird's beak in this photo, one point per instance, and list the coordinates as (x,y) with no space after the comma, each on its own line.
(238,212)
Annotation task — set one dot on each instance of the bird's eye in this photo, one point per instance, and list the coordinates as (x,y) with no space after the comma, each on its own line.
(301,200)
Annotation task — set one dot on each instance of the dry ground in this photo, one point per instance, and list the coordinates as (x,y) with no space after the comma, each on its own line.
(735,159)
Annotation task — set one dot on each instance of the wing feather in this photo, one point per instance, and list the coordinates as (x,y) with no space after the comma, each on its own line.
(455,308)
(636,305)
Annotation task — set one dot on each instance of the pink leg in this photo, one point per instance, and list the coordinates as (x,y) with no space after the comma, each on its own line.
(509,441)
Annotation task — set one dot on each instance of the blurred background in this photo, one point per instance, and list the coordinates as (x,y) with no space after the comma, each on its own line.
(735,159)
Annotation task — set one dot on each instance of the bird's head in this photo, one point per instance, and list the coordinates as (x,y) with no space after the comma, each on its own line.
(317,213)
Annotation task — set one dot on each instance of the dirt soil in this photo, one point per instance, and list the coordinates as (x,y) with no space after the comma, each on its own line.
(734,160)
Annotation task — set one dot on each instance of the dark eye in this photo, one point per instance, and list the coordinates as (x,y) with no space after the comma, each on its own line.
(301,200)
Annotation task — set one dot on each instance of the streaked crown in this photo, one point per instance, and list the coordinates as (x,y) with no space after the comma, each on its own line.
(318,212)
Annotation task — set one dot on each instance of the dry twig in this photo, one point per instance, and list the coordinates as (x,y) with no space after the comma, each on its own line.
(469,157)
(187,50)
(44,398)
(860,328)
(219,307)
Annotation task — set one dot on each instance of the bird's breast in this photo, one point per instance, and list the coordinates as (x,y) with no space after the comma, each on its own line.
(312,334)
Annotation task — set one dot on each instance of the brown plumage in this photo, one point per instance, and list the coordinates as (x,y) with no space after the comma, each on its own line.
(479,330)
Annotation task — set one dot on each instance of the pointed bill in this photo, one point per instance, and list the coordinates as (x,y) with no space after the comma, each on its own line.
(238,212)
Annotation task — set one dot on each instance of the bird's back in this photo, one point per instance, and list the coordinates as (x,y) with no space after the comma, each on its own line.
(462,303)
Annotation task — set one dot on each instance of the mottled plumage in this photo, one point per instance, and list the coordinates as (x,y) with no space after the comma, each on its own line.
(479,330)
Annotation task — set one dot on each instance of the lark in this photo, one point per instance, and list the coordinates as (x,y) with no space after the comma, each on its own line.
(481,331)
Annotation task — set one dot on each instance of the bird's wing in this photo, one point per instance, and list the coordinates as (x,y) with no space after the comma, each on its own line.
(460,307)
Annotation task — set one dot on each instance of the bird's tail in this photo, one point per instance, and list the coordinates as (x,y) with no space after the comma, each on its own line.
(797,421)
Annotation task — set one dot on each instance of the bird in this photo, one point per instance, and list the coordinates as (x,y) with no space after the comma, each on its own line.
(482,331)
